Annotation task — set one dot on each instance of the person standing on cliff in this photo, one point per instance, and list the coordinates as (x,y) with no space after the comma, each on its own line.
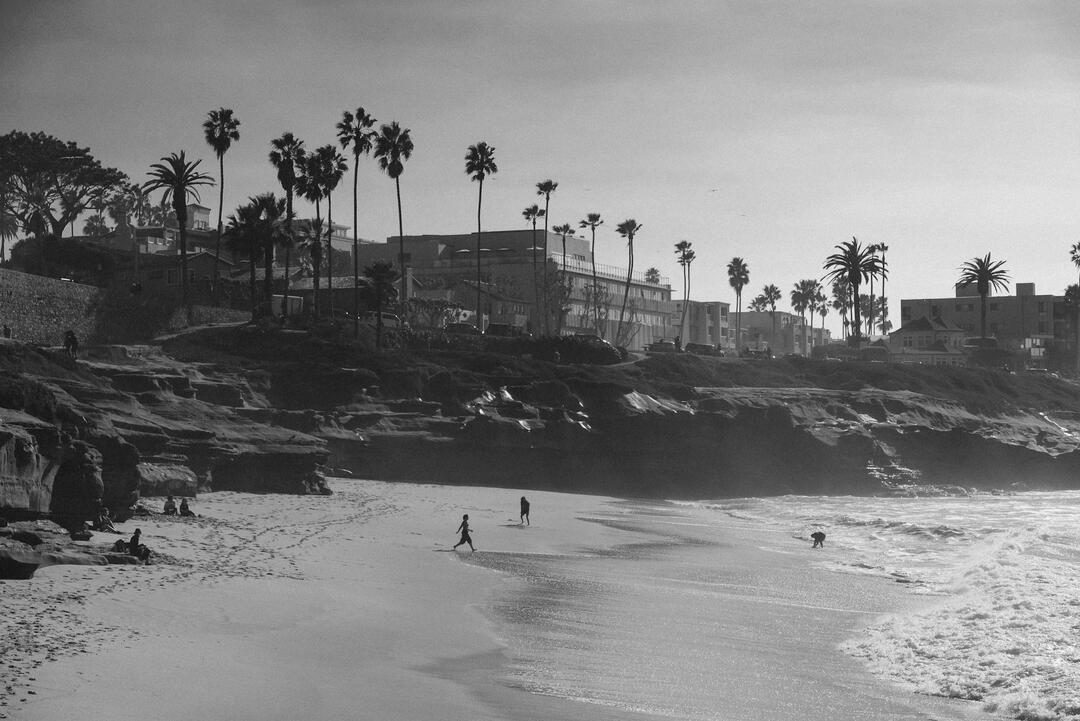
(464,530)
(524,512)
(71,344)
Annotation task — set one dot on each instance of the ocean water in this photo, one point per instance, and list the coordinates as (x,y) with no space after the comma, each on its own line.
(720,610)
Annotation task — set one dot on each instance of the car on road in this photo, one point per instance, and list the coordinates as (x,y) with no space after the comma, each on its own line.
(664,345)
(389,320)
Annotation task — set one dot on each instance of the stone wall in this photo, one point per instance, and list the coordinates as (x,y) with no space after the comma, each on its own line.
(39,309)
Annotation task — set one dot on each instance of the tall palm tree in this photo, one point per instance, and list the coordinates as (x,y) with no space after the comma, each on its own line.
(287,156)
(564,230)
(9,227)
(853,263)
(884,274)
(242,236)
(479,163)
(818,304)
(738,278)
(772,295)
(985,274)
(546,188)
(393,146)
(627,229)
(179,180)
(531,214)
(309,185)
(333,167)
(685,255)
(272,214)
(1072,302)
(355,130)
(841,301)
(802,297)
(1074,254)
(380,277)
(220,129)
(592,221)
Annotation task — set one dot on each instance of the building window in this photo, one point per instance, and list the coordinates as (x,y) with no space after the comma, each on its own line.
(957,307)
(970,307)
(905,312)
(1042,306)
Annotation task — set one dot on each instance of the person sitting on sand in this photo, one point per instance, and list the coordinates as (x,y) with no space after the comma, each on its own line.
(104,521)
(464,529)
(185,509)
(170,507)
(819,539)
(524,512)
(137,549)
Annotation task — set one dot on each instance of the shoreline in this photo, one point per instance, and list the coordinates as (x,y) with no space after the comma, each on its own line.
(276,606)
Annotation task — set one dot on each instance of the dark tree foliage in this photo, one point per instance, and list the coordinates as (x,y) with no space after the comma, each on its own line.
(51,177)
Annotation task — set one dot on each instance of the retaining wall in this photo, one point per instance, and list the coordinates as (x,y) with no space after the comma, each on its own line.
(39,309)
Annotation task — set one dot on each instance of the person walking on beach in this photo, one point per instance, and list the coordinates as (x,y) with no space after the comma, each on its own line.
(819,539)
(464,530)
(524,512)
(71,344)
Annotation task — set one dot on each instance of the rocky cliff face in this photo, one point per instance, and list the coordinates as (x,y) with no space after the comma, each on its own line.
(129,421)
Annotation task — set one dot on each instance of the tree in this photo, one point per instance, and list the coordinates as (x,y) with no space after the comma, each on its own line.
(853,263)
(242,236)
(546,188)
(479,163)
(287,156)
(627,229)
(271,218)
(56,180)
(685,255)
(841,301)
(1072,303)
(592,221)
(1074,254)
(802,296)
(9,226)
(355,130)
(738,278)
(817,303)
(531,214)
(884,274)
(96,226)
(220,129)
(178,179)
(332,167)
(393,147)
(985,274)
(564,277)
(381,276)
(309,185)
(772,295)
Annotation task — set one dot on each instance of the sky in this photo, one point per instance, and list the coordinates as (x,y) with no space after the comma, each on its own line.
(771,131)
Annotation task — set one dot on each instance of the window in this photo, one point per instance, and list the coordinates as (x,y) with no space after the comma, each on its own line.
(935,310)
(1042,327)
(970,307)
(905,312)
(1042,306)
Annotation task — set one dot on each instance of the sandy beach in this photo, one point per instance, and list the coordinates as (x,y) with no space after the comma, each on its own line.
(353,606)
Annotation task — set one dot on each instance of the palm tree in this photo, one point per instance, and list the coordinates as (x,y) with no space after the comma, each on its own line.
(853,263)
(9,227)
(802,296)
(393,147)
(546,188)
(772,295)
(355,130)
(564,230)
(841,301)
(178,179)
(309,184)
(738,278)
(220,129)
(287,156)
(985,274)
(479,163)
(1074,254)
(381,276)
(272,214)
(530,214)
(686,255)
(884,274)
(592,220)
(627,229)
(1072,302)
(820,305)
(95,226)
(332,170)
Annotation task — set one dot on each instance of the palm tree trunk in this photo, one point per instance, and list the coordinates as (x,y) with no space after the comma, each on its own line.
(982,313)
(251,268)
(401,249)
(536,287)
(330,254)
(547,199)
(288,250)
(479,199)
(220,205)
(316,260)
(355,250)
(856,319)
(181,218)
(596,287)
(626,295)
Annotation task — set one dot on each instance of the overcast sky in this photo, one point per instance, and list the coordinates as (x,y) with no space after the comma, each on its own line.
(770,131)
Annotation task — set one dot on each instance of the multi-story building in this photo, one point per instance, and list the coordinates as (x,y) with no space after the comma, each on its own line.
(931,341)
(781,332)
(705,322)
(512,263)
(1026,322)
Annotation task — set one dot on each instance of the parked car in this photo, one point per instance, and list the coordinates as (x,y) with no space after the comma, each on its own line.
(389,320)
(462,329)
(664,345)
(702,349)
(504,330)
(592,340)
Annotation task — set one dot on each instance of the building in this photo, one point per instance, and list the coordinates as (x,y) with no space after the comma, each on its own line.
(512,264)
(931,341)
(1027,322)
(781,332)
(705,322)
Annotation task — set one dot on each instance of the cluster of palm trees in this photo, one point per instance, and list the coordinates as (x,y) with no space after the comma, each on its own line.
(266,221)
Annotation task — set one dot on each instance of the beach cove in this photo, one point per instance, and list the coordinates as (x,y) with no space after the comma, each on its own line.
(353,606)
